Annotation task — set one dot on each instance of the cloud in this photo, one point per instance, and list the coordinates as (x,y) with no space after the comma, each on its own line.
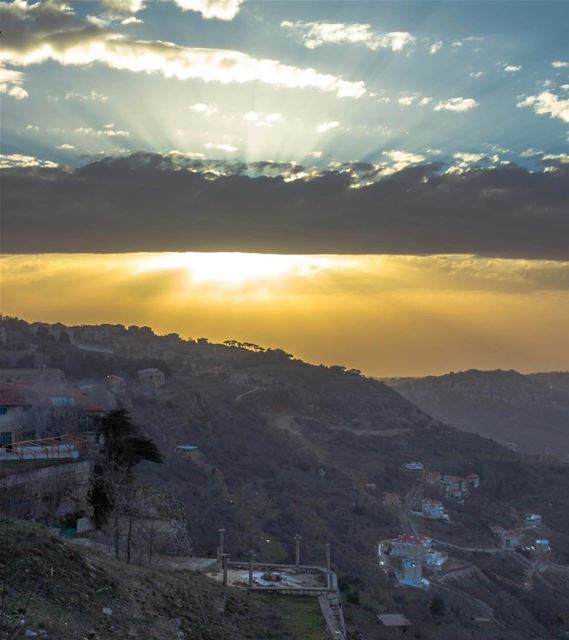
(108,131)
(559,64)
(205,109)
(316,34)
(92,96)
(131,20)
(467,160)
(414,98)
(323,127)
(401,160)
(456,104)
(17,160)
(123,6)
(512,68)
(65,147)
(505,211)
(563,158)
(219,9)
(436,46)
(263,119)
(547,103)
(477,74)
(11,83)
(37,33)
(228,148)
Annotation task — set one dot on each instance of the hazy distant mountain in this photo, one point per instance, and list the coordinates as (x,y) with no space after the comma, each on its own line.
(531,411)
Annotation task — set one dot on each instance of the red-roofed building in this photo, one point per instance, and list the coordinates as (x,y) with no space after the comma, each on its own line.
(29,411)
(15,411)
(433,509)
(408,545)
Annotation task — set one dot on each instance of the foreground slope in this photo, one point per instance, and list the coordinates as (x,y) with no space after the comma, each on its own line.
(71,593)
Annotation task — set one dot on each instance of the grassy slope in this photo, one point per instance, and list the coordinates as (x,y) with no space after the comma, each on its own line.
(64,591)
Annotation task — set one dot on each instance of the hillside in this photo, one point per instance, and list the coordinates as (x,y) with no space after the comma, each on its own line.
(530,412)
(70,593)
(285,447)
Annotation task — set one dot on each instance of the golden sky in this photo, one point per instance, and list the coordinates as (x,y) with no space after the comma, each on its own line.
(386,315)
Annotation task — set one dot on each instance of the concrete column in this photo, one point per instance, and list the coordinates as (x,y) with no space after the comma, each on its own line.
(328,567)
(224,563)
(297,539)
(251,561)
(221,541)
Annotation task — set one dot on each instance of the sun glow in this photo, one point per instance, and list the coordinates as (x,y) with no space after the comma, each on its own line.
(232,269)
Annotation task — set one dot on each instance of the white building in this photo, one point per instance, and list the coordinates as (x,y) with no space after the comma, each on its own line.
(433,509)
(532,519)
(413,466)
(436,559)
(411,574)
(151,377)
(542,544)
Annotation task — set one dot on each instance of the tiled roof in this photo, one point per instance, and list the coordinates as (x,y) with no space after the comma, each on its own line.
(30,394)
(410,537)
(14,395)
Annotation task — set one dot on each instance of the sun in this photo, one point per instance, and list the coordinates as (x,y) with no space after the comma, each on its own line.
(232,269)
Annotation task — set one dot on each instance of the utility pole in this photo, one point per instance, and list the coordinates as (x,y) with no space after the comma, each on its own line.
(297,539)
(328,567)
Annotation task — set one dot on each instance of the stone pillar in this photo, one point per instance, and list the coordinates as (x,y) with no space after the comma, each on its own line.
(297,539)
(251,561)
(224,565)
(328,567)
(221,541)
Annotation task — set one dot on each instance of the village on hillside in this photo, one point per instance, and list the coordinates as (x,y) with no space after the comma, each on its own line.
(50,443)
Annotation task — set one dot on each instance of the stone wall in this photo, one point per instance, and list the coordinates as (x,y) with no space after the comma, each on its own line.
(48,493)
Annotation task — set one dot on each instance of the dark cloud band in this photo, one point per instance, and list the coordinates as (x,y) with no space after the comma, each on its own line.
(149,202)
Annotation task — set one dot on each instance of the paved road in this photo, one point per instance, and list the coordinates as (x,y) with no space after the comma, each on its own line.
(246,393)
(405,516)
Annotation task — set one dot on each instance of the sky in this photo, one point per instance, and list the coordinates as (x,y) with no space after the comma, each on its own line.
(377,184)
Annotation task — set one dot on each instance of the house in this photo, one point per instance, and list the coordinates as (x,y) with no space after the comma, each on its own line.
(391,499)
(510,539)
(543,545)
(413,547)
(433,477)
(15,413)
(116,384)
(151,377)
(411,573)
(455,487)
(435,559)
(413,466)
(433,509)
(473,480)
(532,520)
(63,408)
(30,411)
